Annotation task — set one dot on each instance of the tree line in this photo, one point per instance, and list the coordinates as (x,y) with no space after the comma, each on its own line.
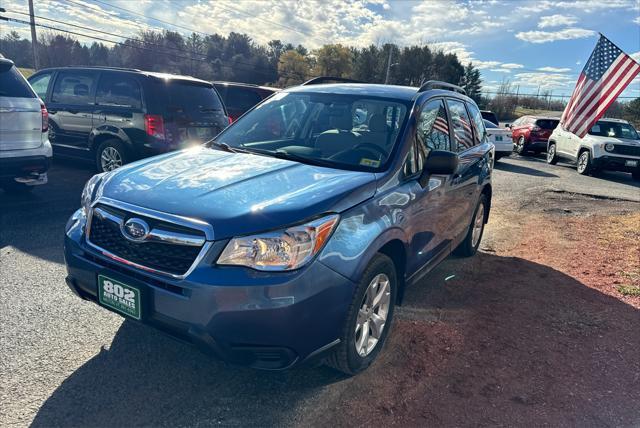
(237,57)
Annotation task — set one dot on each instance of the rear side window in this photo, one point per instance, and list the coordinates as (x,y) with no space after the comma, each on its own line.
(241,99)
(547,123)
(490,116)
(73,88)
(433,127)
(40,84)
(478,123)
(12,84)
(187,97)
(118,90)
(461,125)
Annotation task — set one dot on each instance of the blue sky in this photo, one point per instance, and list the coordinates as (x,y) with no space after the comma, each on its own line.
(532,43)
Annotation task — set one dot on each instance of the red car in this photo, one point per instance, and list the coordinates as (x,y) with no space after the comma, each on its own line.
(530,133)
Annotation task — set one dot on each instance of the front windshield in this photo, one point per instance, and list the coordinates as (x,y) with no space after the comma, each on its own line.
(342,131)
(614,129)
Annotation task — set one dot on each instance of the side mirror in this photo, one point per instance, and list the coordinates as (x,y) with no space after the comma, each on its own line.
(440,162)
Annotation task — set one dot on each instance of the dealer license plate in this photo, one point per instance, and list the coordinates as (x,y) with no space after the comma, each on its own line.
(120,297)
(631,163)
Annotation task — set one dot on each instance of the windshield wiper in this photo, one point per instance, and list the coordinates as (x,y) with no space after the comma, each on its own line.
(224,146)
(281,154)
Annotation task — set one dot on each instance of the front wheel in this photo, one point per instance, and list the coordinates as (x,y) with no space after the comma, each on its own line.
(469,246)
(552,157)
(369,318)
(584,163)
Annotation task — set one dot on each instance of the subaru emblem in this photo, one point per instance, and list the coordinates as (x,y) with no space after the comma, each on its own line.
(135,229)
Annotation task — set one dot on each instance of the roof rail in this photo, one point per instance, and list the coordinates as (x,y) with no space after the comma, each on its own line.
(100,66)
(437,84)
(323,79)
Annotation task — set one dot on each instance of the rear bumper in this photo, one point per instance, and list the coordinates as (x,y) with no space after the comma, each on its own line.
(30,170)
(263,320)
(616,163)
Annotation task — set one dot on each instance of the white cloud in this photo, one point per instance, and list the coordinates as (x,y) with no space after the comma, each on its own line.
(636,56)
(552,36)
(481,65)
(555,69)
(637,20)
(547,81)
(511,65)
(501,70)
(556,21)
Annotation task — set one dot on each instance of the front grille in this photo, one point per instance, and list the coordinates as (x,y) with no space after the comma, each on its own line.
(619,149)
(171,258)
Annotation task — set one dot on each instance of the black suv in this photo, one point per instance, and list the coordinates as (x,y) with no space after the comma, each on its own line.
(240,97)
(115,115)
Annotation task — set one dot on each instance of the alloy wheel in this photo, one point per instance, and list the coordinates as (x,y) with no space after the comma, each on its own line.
(478,225)
(583,161)
(551,153)
(372,315)
(110,159)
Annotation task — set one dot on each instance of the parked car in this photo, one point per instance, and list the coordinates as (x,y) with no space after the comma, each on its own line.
(530,133)
(25,151)
(281,241)
(490,116)
(114,115)
(611,144)
(501,139)
(240,97)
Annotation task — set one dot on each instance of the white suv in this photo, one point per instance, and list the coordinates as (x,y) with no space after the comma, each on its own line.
(25,151)
(611,144)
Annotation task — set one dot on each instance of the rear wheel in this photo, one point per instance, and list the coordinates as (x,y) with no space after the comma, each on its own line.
(111,154)
(584,163)
(552,157)
(369,318)
(471,242)
(521,147)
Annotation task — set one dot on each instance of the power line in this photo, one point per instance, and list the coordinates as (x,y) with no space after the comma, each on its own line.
(520,94)
(251,67)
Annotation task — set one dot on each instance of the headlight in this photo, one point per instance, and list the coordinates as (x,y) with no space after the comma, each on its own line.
(609,147)
(89,191)
(281,250)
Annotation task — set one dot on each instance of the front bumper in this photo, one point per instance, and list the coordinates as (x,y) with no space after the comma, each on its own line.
(263,320)
(616,163)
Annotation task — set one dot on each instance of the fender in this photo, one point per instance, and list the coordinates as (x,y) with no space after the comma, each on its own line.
(361,233)
(105,132)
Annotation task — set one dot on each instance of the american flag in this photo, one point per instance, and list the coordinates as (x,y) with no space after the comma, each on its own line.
(604,77)
(441,125)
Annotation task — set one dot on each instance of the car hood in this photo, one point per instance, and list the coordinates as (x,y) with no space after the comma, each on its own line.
(237,193)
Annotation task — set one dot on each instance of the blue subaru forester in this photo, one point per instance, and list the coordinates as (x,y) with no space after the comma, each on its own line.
(291,236)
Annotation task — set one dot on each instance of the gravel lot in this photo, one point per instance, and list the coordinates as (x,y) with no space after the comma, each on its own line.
(531,331)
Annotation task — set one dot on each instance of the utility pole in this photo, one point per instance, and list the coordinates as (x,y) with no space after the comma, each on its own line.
(386,79)
(34,40)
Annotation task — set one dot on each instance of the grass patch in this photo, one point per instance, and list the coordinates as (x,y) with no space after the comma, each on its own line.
(629,290)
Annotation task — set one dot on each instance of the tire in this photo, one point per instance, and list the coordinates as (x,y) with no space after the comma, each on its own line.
(552,157)
(583,166)
(469,246)
(12,186)
(521,147)
(346,357)
(111,154)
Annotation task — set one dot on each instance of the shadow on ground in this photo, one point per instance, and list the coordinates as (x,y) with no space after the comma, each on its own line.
(519,169)
(34,222)
(503,342)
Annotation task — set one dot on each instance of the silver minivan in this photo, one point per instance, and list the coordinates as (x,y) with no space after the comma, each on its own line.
(25,151)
